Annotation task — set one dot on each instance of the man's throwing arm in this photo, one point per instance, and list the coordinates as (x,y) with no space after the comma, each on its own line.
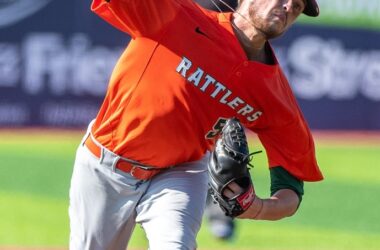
(138,18)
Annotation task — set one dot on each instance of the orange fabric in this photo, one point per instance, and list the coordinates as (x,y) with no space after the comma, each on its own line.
(182,74)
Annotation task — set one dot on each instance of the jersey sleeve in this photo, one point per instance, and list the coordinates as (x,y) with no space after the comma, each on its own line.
(292,147)
(137,17)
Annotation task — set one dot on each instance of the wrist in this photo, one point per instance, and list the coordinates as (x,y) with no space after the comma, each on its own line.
(255,210)
(257,207)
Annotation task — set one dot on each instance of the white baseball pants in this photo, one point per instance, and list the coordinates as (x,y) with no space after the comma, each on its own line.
(106,204)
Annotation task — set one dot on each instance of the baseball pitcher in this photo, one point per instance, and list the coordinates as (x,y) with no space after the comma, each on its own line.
(178,101)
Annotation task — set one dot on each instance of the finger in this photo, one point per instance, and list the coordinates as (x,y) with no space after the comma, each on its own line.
(232,190)
(235,188)
(228,193)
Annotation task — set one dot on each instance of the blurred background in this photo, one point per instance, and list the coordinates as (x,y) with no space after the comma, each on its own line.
(55,61)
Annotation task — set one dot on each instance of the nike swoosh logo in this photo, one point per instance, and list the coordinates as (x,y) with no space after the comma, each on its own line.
(199,31)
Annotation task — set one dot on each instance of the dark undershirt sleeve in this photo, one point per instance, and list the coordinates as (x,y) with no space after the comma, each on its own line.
(282,179)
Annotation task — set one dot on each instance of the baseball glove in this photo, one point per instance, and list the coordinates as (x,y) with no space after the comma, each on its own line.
(228,163)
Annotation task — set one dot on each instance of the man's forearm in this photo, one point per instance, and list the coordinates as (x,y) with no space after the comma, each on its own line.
(283,203)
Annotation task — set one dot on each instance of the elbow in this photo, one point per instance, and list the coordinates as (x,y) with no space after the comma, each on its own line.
(280,216)
(284,208)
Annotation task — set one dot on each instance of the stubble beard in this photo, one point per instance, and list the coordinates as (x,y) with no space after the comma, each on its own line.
(270,32)
(269,29)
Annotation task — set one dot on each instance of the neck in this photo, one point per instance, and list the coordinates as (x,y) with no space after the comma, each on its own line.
(252,40)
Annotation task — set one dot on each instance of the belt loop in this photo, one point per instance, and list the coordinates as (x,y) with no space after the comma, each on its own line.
(115,160)
(101,158)
(101,155)
(84,138)
(88,132)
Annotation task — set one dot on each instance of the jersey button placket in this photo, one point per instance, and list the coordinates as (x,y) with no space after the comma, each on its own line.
(239,72)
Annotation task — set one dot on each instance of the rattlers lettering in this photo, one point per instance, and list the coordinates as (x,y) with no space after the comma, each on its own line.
(203,81)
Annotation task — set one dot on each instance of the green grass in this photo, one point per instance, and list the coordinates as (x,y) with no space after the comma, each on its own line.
(32,220)
(340,213)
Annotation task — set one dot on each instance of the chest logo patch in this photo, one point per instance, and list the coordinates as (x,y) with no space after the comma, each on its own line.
(207,84)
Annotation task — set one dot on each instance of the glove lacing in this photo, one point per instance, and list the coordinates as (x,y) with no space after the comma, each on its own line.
(238,137)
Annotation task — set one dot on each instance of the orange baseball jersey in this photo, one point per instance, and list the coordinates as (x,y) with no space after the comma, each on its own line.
(182,74)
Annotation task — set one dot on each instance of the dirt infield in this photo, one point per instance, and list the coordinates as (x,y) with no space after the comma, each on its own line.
(44,248)
(35,248)
(330,136)
(350,137)
(61,248)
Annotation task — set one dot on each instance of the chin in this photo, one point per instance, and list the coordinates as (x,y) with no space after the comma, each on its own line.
(271,34)
(274,35)
(273,31)
(270,27)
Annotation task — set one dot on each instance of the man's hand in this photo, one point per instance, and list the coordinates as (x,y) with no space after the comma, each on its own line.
(232,190)
(228,170)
